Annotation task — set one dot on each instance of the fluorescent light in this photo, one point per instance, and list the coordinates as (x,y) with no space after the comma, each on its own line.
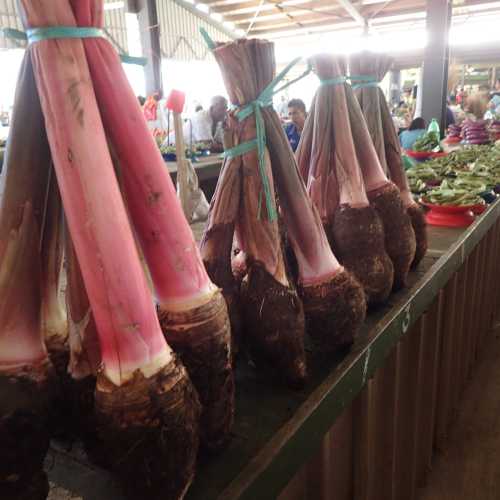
(216,16)
(240,32)
(114,5)
(229,25)
(203,7)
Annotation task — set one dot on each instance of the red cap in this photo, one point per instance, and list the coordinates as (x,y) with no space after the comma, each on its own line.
(176,100)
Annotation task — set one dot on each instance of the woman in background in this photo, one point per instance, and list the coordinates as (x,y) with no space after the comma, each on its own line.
(416,130)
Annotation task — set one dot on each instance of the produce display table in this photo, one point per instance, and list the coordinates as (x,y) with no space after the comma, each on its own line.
(207,167)
(369,420)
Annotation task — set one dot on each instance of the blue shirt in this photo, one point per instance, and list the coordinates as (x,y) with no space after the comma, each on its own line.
(407,138)
(293,135)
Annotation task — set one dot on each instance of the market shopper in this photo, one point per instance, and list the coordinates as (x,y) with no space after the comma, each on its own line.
(415,131)
(297,114)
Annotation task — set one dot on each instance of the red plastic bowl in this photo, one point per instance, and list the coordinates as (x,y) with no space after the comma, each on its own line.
(424,155)
(453,140)
(451,215)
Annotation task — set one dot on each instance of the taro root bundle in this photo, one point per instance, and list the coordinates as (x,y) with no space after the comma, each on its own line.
(259,199)
(366,70)
(146,410)
(329,162)
(27,378)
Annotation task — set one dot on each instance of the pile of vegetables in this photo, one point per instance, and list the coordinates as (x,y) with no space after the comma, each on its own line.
(476,168)
(283,278)
(148,405)
(448,194)
(475,132)
(429,142)
(366,69)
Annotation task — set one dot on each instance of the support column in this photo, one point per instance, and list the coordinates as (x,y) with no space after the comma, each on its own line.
(436,59)
(150,41)
(395,86)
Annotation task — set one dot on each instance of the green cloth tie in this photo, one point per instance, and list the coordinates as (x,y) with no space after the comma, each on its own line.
(363,81)
(34,35)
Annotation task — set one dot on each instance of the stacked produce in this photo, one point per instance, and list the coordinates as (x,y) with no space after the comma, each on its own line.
(367,69)
(260,204)
(449,194)
(475,132)
(454,133)
(145,410)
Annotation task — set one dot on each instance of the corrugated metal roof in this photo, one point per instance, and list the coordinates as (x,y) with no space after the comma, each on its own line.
(114,22)
(180,37)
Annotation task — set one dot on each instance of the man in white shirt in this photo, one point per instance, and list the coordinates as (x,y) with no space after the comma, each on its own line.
(206,125)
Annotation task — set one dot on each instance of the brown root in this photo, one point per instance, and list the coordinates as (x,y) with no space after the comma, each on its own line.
(358,242)
(274,324)
(202,338)
(419,224)
(399,236)
(148,432)
(26,397)
(335,311)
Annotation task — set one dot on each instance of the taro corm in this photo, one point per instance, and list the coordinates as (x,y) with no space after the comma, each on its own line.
(366,69)
(329,164)
(192,311)
(261,219)
(147,410)
(27,378)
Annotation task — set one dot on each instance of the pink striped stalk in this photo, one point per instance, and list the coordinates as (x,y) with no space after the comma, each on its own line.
(140,376)
(26,375)
(192,311)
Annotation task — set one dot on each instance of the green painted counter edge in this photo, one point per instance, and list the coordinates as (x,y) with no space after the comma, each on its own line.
(271,469)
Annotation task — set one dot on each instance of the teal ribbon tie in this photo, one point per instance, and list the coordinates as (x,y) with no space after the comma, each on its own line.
(37,34)
(53,32)
(264,100)
(334,81)
(363,81)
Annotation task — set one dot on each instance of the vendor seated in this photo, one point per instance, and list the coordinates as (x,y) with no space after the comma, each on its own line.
(206,126)
(297,115)
(415,131)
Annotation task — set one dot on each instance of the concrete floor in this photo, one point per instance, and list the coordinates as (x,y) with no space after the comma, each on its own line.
(469,466)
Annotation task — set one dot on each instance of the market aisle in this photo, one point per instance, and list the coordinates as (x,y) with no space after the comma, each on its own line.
(469,467)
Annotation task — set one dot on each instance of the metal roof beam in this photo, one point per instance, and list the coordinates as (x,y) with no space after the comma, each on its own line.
(352,11)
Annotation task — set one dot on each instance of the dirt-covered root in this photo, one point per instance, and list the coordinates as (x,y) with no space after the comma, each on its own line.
(419,224)
(357,237)
(26,396)
(201,336)
(274,324)
(148,429)
(399,235)
(334,310)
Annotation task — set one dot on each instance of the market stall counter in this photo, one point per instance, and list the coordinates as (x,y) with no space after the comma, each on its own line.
(207,168)
(367,423)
